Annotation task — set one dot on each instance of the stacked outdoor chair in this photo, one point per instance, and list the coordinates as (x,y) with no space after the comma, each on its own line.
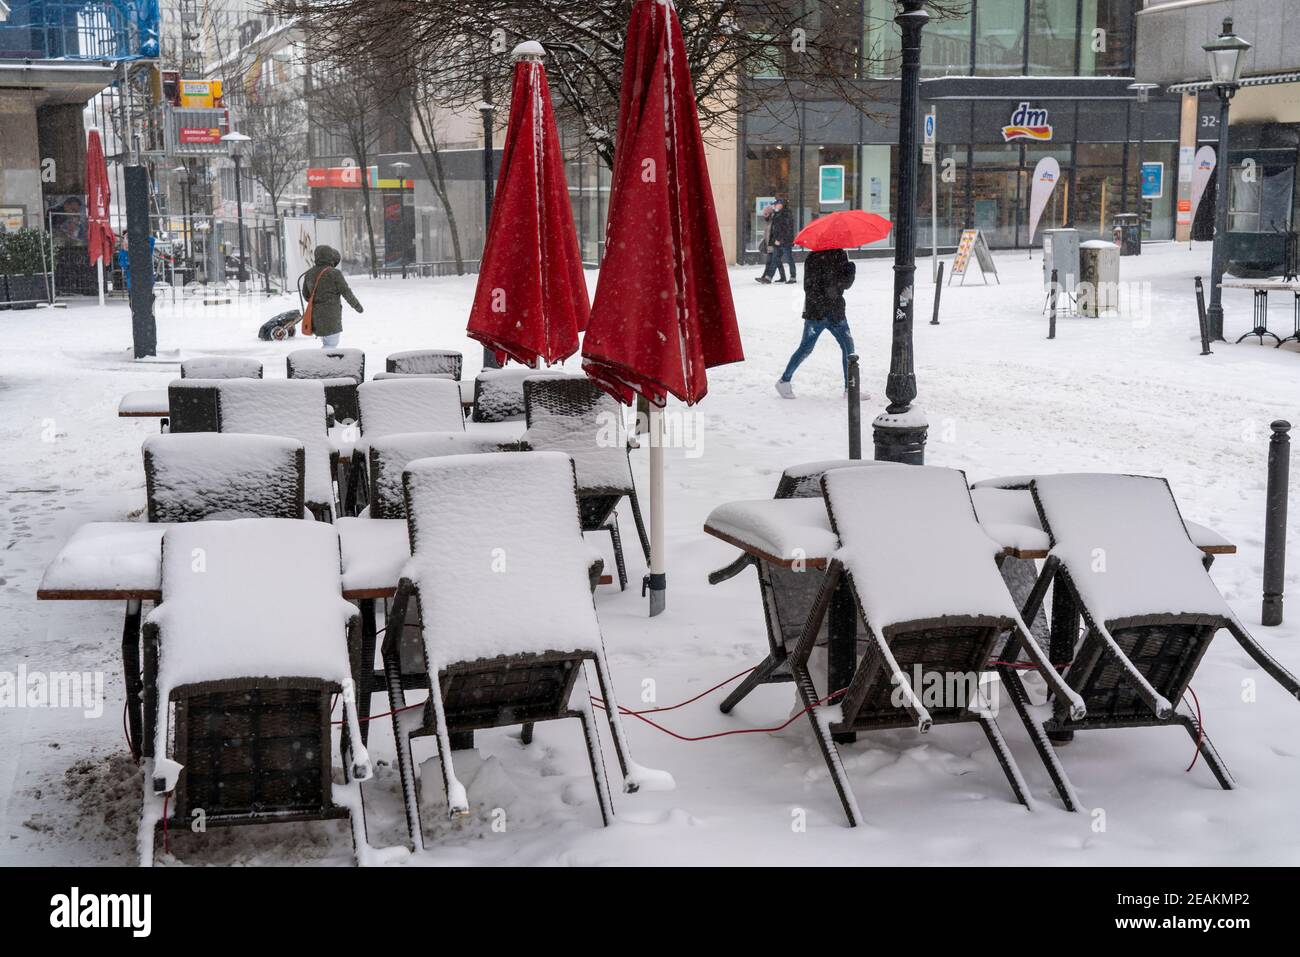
(396,406)
(788,594)
(571,414)
(389,455)
(221,367)
(440,362)
(192,405)
(242,663)
(1149,609)
(341,397)
(190,478)
(326,364)
(503,646)
(292,408)
(499,393)
(924,579)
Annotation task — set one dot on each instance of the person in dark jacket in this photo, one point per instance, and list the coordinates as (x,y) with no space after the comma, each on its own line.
(826,274)
(780,243)
(331,289)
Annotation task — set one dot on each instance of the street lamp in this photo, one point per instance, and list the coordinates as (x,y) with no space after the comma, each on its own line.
(1224,54)
(183,177)
(236,144)
(1143,91)
(900,431)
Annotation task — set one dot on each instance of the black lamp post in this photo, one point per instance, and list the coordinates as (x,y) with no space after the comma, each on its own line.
(1224,53)
(900,431)
(1143,92)
(183,177)
(236,143)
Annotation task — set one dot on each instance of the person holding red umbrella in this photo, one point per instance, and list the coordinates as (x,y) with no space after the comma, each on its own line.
(827,273)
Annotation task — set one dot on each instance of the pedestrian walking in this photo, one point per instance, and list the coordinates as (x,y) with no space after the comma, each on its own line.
(826,274)
(779,242)
(324,287)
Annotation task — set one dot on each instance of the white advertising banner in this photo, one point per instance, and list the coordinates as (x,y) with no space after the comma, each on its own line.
(1202,170)
(1046,175)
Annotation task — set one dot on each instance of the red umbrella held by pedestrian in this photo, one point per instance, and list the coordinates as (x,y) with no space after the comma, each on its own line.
(663,313)
(531,301)
(100,236)
(844,230)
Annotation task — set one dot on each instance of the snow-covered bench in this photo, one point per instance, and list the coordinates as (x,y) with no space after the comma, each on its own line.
(923,576)
(294,409)
(441,362)
(501,574)
(250,657)
(221,367)
(326,364)
(571,414)
(1122,556)
(210,475)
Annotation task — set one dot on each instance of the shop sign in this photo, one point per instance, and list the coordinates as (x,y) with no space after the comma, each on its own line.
(1153,180)
(334,177)
(832,185)
(972,241)
(200,94)
(1027,123)
(207,135)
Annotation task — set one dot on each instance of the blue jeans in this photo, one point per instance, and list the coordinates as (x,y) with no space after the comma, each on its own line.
(839,328)
(329,342)
(777,257)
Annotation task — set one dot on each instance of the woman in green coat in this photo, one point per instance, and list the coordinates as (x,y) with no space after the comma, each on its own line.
(331,288)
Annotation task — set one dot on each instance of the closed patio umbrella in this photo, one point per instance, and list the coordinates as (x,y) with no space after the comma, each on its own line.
(100,238)
(531,301)
(663,312)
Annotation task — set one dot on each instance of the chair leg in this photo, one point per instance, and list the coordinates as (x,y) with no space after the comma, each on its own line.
(402,742)
(752,680)
(1046,753)
(1009,767)
(617,541)
(526,733)
(615,723)
(592,738)
(457,802)
(1220,770)
(825,741)
(640,525)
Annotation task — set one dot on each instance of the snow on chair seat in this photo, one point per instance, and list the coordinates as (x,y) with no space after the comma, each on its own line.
(294,409)
(221,367)
(499,570)
(250,657)
(571,414)
(213,476)
(425,362)
(1123,555)
(391,454)
(923,575)
(326,364)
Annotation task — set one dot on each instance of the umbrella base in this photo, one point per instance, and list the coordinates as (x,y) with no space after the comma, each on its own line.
(656,586)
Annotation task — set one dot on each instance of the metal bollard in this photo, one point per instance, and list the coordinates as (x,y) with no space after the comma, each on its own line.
(1279,467)
(938,291)
(1051,316)
(854,390)
(1204,319)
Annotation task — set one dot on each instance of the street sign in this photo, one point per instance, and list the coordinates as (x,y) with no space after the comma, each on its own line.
(930,128)
(927,154)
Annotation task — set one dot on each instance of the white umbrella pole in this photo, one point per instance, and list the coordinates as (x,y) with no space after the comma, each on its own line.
(658,580)
(99,269)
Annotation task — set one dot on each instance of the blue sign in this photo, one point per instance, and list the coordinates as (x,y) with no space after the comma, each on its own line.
(1153,180)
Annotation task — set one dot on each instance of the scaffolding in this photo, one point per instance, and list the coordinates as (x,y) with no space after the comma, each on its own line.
(114,30)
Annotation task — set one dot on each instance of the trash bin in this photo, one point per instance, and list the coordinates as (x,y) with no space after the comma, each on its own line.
(1098,290)
(1061,252)
(1128,233)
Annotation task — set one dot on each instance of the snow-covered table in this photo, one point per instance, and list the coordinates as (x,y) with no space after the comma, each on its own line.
(1261,288)
(145,404)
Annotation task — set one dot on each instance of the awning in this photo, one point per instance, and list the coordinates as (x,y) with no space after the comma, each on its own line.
(1267,79)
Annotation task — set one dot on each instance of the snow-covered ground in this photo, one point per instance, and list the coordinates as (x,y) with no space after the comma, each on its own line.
(1124,394)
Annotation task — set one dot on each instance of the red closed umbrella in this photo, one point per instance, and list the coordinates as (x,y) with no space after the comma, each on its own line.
(663,313)
(844,230)
(531,300)
(100,235)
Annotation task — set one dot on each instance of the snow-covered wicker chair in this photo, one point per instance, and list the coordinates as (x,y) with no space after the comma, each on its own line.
(391,454)
(571,414)
(425,362)
(1123,558)
(788,594)
(247,660)
(506,642)
(925,583)
(221,367)
(190,478)
(294,409)
(192,405)
(397,406)
(341,397)
(499,393)
(326,364)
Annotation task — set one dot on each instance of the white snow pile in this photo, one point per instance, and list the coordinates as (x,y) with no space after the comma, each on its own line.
(291,408)
(326,364)
(596,440)
(390,454)
(207,475)
(221,367)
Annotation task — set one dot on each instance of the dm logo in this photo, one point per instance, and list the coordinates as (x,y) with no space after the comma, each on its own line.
(1027,124)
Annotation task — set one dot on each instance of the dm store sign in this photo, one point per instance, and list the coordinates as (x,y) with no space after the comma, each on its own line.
(1027,124)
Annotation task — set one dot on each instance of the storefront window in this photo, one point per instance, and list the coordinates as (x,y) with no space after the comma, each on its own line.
(995,204)
(1053,37)
(945,48)
(830,176)
(951,198)
(999,37)
(770,171)
(1259,198)
(881,41)
(1105,46)
(1098,189)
